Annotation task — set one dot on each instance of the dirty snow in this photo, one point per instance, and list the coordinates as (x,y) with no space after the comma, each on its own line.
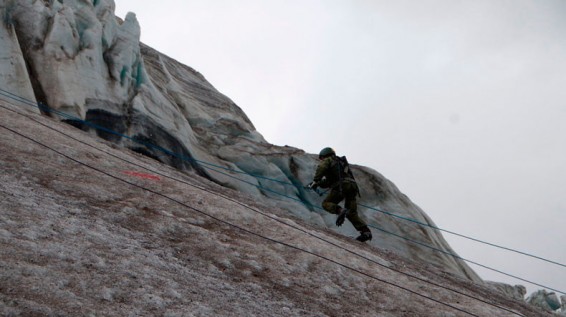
(77,242)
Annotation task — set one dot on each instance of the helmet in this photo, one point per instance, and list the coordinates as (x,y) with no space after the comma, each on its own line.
(327,151)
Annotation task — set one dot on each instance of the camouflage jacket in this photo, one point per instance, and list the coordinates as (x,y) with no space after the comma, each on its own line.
(328,172)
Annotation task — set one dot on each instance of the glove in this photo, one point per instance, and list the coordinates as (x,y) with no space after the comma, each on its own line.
(313,185)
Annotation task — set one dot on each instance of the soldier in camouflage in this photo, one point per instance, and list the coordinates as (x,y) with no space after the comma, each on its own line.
(334,173)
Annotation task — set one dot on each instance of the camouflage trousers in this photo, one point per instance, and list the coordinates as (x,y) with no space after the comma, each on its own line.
(348,193)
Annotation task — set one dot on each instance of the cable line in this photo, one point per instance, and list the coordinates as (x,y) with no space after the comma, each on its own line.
(238,227)
(469,261)
(272,217)
(190,159)
(462,236)
(295,199)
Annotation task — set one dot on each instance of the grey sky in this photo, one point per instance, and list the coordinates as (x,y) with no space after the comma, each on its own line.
(462,104)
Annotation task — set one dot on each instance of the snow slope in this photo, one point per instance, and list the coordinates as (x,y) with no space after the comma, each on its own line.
(88,228)
(76,57)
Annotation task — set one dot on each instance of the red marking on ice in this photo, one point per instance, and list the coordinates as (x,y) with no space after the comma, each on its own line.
(142,175)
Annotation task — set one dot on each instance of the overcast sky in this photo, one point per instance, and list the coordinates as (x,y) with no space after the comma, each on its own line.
(462,104)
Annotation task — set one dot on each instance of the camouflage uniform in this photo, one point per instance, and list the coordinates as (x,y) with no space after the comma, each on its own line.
(328,176)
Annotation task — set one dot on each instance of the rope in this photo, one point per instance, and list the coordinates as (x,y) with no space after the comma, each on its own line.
(469,261)
(238,227)
(213,166)
(43,107)
(265,215)
(462,236)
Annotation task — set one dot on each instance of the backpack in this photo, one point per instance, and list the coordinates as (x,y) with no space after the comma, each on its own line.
(345,170)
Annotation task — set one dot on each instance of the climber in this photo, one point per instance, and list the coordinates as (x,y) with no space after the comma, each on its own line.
(334,173)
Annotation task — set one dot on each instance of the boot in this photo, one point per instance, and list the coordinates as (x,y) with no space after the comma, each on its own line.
(343,212)
(365,235)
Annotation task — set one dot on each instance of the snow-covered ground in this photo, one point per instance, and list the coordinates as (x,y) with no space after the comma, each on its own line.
(90,229)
